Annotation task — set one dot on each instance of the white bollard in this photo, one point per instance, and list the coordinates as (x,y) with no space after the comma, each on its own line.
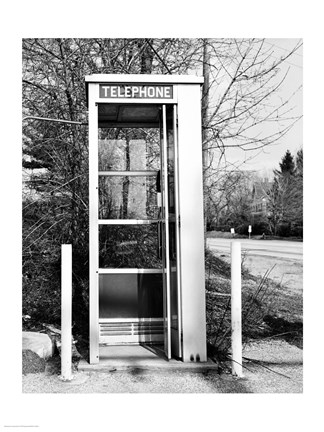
(236,308)
(66,312)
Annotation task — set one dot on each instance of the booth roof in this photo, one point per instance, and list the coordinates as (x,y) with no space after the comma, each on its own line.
(142,78)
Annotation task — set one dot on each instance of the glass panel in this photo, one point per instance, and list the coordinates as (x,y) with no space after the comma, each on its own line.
(130,296)
(127,197)
(170,158)
(150,295)
(129,246)
(118,297)
(129,149)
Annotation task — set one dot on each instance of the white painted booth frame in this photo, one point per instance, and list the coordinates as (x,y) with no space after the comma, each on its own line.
(93,226)
(192,224)
(187,97)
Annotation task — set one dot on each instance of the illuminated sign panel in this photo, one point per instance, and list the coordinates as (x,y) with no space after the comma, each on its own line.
(130,91)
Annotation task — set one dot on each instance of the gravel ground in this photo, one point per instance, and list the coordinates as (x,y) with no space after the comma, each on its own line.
(281,364)
(280,372)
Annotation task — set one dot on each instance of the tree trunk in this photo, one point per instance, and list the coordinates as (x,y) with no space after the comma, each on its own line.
(146,58)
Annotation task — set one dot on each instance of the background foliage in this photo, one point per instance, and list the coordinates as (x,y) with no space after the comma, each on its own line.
(240,78)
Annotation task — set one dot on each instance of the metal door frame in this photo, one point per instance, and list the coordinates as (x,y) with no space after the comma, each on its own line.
(94,223)
(177,225)
(167,269)
(166,240)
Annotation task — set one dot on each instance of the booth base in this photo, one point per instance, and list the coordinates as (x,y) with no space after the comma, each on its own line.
(124,357)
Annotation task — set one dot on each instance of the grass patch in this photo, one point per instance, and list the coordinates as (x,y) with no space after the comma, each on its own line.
(269,310)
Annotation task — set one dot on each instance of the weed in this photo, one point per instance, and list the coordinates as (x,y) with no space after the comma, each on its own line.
(267,310)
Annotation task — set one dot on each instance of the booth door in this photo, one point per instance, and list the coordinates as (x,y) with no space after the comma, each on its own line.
(138,221)
(130,259)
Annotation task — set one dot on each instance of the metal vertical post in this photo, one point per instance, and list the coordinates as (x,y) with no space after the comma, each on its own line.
(236,308)
(93,227)
(66,312)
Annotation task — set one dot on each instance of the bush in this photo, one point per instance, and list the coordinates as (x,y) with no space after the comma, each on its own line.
(44,230)
(297,231)
(284,229)
(257,299)
(260,227)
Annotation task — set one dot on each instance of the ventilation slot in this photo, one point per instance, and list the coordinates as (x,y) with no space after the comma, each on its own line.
(116,332)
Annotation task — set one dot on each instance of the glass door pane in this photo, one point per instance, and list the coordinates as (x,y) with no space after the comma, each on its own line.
(129,246)
(129,234)
(128,197)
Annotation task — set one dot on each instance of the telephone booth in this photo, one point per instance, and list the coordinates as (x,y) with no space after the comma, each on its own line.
(146,242)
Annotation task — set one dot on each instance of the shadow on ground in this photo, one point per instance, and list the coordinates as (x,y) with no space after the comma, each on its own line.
(291,332)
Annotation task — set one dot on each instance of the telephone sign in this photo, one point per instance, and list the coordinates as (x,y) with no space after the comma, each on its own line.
(130,91)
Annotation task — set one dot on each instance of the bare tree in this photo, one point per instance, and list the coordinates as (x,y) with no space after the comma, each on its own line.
(242,77)
(241,82)
(229,200)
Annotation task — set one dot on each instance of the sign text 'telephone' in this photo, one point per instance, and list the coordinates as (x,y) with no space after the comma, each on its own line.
(135,91)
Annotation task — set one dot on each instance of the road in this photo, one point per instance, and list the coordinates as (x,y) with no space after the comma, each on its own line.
(267,248)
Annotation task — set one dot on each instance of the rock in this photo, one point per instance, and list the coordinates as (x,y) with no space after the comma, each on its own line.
(31,362)
(39,343)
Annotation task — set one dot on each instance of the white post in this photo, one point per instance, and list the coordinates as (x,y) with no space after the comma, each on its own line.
(236,308)
(66,312)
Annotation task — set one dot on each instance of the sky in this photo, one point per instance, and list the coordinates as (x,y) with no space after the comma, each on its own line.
(270,156)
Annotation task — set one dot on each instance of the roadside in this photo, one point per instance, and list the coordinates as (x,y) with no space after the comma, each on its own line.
(286,272)
(228,235)
(283,271)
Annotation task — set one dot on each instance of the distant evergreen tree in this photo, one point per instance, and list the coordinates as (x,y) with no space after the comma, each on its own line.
(286,196)
(299,163)
(287,164)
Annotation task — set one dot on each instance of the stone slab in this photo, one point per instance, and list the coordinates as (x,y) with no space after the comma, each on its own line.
(126,357)
(39,343)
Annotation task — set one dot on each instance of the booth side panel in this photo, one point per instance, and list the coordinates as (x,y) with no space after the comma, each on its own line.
(192,224)
(93,226)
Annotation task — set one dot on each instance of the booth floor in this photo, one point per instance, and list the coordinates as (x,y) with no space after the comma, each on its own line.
(138,356)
